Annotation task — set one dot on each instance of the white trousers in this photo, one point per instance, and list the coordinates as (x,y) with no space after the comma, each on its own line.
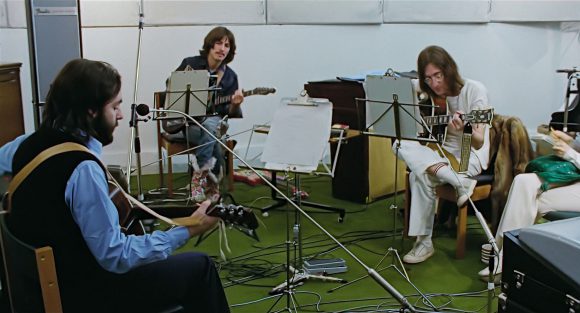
(525,203)
(423,199)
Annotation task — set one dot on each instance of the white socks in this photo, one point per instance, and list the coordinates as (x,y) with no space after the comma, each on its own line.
(446,174)
(425,240)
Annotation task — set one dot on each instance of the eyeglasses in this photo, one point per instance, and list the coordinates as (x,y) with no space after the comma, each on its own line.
(435,77)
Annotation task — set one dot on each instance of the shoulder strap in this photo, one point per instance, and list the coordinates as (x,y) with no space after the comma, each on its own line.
(71,146)
(41,157)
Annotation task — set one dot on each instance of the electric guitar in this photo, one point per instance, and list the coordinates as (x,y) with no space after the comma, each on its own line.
(175,126)
(437,127)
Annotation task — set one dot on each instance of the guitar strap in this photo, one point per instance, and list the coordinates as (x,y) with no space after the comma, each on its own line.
(71,146)
(41,157)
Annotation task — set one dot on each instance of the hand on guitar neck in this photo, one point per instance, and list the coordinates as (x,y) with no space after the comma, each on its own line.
(208,215)
(206,222)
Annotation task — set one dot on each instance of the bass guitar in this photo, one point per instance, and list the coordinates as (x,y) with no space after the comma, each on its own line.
(131,212)
(175,126)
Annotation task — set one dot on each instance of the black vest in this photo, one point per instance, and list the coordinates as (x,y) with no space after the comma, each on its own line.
(41,217)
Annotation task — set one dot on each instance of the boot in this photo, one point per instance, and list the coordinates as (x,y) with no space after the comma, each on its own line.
(198,181)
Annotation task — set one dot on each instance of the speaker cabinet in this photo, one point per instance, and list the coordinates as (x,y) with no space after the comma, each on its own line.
(54,37)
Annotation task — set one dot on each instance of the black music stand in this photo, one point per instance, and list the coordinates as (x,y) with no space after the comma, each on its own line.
(187,92)
(393,112)
(387,117)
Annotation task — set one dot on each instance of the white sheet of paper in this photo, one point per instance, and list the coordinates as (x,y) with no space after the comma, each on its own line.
(298,136)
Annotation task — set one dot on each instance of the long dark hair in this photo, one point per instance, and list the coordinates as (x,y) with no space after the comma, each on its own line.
(81,87)
(438,57)
(216,35)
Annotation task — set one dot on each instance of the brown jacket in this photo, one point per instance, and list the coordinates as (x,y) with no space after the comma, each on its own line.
(510,152)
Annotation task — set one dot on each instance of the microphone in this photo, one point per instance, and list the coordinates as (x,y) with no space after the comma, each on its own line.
(143,109)
(133,120)
(568,71)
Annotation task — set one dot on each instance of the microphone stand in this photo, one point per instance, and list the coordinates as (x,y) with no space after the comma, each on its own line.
(134,141)
(406,306)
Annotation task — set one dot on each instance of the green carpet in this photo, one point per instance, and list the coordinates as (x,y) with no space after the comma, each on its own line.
(253,267)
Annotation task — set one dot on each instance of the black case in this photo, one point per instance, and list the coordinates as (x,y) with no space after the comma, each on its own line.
(530,284)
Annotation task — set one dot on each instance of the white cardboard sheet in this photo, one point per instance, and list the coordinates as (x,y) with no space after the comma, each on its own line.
(298,136)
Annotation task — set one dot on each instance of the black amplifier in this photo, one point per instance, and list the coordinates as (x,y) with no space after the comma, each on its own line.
(541,269)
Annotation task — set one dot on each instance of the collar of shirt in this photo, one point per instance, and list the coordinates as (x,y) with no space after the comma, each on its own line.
(95,146)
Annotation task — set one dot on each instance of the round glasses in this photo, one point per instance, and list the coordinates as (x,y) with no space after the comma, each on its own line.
(438,77)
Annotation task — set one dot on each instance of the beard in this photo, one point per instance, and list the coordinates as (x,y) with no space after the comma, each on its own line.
(104,129)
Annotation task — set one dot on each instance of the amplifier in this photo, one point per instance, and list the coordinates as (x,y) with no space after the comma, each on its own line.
(531,283)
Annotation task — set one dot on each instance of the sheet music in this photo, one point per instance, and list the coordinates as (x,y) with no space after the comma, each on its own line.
(298,136)
(178,81)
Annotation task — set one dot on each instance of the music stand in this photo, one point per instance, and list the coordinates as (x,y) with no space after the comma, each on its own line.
(187,92)
(393,112)
(387,117)
(295,144)
(182,85)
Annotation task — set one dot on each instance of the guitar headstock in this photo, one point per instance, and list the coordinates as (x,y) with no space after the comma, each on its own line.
(263,91)
(481,116)
(235,214)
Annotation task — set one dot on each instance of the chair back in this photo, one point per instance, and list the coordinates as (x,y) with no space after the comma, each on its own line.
(29,274)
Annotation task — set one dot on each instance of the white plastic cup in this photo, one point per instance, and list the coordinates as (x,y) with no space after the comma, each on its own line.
(485,253)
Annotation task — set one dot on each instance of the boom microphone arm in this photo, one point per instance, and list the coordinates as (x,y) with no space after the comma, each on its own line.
(143,109)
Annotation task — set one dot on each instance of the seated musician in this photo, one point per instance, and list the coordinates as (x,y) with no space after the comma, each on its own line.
(64,203)
(440,79)
(219,48)
(527,201)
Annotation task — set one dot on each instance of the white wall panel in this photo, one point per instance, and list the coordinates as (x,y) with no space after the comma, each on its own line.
(436,11)
(325,11)
(95,13)
(199,12)
(535,10)
(16,13)
(3,15)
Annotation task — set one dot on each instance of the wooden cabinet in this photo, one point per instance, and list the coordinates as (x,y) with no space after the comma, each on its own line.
(11,117)
(365,170)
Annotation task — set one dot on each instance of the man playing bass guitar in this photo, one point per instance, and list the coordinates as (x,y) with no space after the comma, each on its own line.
(440,79)
(64,203)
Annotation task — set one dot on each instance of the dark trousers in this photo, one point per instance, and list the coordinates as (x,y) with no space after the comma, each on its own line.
(187,279)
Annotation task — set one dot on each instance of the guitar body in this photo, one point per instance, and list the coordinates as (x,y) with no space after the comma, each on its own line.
(130,225)
(438,108)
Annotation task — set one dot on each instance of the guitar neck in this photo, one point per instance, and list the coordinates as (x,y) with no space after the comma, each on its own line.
(444,119)
(438,119)
(225,99)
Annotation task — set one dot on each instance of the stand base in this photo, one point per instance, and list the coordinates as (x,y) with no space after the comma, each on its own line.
(280,202)
(298,278)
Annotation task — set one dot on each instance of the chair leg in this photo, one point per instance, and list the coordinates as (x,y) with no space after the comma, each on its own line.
(169,176)
(407,207)
(230,165)
(461,232)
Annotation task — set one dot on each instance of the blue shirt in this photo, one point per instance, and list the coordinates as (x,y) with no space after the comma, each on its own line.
(86,193)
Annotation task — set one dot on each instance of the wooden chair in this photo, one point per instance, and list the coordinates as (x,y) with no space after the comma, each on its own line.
(175,146)
(29,275)
(446,192)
